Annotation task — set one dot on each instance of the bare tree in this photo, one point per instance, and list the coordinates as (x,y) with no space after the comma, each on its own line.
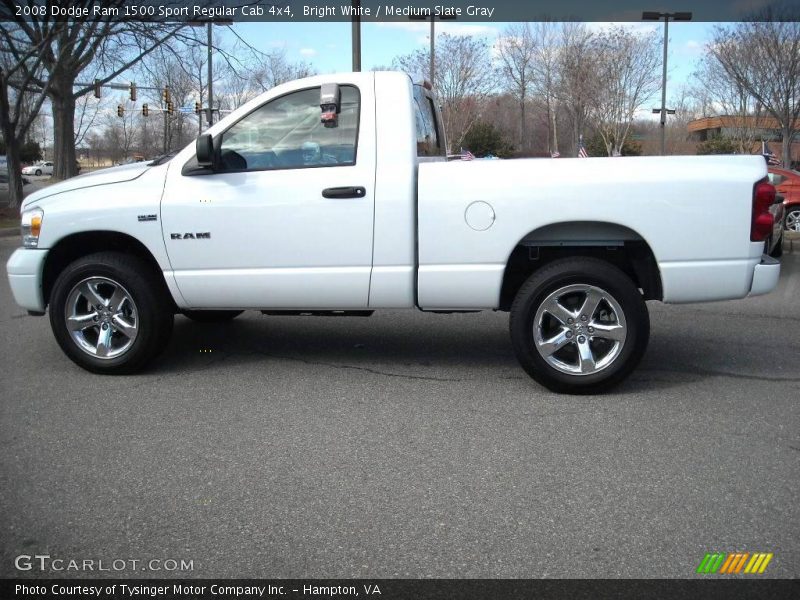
(120,132)
(66,49)
(762,57)
(576,81)
(163,70)
(545,68)
(627,69)
(464,79)
(722,95)
(22,94)
(275,69)
(515,51)
(87,110)
(679,141)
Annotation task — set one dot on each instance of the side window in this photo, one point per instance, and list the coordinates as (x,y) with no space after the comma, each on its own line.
(425,116)
(287,133)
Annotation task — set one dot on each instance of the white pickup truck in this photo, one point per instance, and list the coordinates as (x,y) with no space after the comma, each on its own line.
(333,195)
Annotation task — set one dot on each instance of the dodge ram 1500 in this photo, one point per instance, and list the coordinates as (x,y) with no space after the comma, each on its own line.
(333,194)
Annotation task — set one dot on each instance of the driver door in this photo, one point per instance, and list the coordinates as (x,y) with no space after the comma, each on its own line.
(285,221)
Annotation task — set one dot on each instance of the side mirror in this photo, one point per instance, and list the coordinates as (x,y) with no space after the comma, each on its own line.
(204,147)
(329,103)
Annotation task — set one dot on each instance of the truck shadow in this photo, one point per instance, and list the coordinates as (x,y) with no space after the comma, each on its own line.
(407,340)
(449,348)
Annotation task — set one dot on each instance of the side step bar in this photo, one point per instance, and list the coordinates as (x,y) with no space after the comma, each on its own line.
(318,313)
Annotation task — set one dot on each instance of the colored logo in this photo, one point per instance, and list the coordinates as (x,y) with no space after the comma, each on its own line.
(733,563)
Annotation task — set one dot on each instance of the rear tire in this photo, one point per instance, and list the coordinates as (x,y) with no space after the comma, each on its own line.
(212,316)
(579,326)
(110,314)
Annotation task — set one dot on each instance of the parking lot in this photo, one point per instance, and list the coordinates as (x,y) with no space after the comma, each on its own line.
(406,445)
(34,184)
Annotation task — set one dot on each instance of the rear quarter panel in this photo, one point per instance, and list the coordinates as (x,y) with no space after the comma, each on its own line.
(693,212)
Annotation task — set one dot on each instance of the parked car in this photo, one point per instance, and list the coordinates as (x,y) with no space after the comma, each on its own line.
(787,184)
(373,219)
(4,181)
(40,168)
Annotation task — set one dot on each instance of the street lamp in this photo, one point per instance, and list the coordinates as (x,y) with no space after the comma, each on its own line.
(657,16)
(424,17)
(209,44)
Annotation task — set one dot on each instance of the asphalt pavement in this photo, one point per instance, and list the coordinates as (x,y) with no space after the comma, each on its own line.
(404,445)
(34,184)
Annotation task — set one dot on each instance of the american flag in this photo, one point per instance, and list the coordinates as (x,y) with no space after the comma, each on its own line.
(769,155)
(467,155)
(555,154)
(582,149)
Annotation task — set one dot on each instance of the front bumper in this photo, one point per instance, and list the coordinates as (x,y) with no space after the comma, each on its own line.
(25,268)
(765,276)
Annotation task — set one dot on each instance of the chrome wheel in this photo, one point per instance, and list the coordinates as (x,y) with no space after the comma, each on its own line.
(579,329)
(101,317)
(792,222)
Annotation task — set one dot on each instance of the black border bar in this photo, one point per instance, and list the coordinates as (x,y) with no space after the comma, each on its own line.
(397,10)
(396,589)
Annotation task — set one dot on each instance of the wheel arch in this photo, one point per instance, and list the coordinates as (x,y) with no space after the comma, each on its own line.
(74,246)
(617,244)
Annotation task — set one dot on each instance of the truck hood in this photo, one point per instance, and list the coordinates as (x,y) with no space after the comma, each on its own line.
(101,177)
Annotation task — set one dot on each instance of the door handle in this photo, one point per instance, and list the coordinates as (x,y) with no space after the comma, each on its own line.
(344,192)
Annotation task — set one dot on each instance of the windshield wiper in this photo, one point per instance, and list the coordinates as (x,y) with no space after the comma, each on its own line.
(160,160)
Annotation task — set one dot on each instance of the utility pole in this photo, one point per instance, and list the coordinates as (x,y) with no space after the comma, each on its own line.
(657,16)
(210,80)
(356,34)
(210,47)
(424,17)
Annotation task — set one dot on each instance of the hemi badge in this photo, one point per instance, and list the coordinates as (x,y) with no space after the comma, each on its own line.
(147,218)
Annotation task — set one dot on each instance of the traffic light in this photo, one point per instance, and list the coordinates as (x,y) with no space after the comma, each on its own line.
(165,95)
(133,92)
(145,110)
(120,110)
(170,108)
(98,91)
(198,108)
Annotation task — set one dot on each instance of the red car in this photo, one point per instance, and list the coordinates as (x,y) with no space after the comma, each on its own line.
(787,183)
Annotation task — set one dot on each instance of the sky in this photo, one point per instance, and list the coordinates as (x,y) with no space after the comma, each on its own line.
(327,46)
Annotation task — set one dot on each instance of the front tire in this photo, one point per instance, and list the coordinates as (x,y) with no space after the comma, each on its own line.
(109,314)
(579,326)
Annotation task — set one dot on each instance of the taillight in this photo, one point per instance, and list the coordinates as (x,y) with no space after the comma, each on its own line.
(762,220)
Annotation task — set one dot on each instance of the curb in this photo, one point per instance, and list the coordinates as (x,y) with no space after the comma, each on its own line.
(9,232)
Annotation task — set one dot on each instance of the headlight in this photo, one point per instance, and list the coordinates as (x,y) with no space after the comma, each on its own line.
(31,225)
